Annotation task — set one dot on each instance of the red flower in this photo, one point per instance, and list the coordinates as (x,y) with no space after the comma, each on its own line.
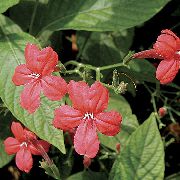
(167,49)
(22,146)
(87,114)
(36,76)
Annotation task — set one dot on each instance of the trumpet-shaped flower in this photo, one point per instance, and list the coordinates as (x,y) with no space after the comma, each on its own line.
(88,115)
(36,76)
(167,49)
(23,147)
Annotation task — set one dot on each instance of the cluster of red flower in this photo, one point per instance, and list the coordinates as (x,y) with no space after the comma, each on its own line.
(86,116)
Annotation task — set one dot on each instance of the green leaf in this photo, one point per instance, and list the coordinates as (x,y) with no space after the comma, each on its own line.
(100,49)
(92,15)
(88,175)
(8,25)
(142,70)
(5,4)
(143,156)
(12,54)
(129,123)
(5,123)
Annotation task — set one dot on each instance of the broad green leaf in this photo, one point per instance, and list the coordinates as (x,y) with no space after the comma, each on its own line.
(5,123)
(88,175)
(100,49)
(143,156)
(129,123)
(5,4)
(11,54)
(92,15)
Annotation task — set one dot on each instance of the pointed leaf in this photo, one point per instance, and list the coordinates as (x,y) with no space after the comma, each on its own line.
(143,156)
(91,15)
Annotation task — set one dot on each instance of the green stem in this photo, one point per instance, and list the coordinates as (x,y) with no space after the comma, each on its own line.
(154,105)
(33,16)
(111,66)
(171,117)
(98,74)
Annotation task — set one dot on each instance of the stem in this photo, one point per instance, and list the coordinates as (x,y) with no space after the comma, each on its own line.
(111,66)
(154,105)
(33,16)
(98,74)
(156,113)
(171,117)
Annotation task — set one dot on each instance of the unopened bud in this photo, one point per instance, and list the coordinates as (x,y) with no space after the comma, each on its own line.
(118,147)
(162,112)
(86,162)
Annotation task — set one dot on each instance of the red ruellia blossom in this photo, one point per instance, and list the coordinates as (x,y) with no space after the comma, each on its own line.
(36,76)
(23,147)
(167,49)
(88,115)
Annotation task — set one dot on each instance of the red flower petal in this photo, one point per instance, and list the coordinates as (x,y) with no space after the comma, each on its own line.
(86,140)
(98,97)
(21,75)
(42,62)
(24,160)
(30,97)
(163,49)
(29,135)
(167,71)
(54,87)
(108,122)
(147,54)
(78,93)
(12,145)
(43,145)
(18,131)
(169,32)
(67,117)
(31,54)
(88,99)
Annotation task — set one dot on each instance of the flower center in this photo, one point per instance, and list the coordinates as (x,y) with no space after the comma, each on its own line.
(88,116)
(23,144)
(34,75)
(178,52)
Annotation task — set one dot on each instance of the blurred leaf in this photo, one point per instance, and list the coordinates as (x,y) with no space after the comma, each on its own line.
(142,70)
(100,49)
(12,53)
(8,25)
(129,123)
(91,15)
(5,4)
(88,175)
(5,123)
(143,156)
